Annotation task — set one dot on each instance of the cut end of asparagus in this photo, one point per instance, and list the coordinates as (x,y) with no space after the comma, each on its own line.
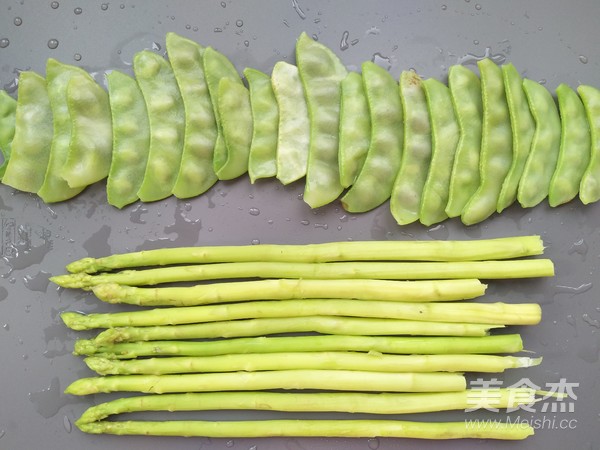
(85,265)
(74,320)
(75,280)
(524,361)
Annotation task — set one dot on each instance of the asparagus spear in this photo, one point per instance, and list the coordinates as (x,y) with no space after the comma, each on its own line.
(501,248)
(305,360)
(337,380)
(353,402)
(323,428)
(482,313)
(507,343)
(525,268)
(355,326)
(203,294)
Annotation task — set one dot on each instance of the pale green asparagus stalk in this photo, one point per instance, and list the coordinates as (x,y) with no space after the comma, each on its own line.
(316,427)
(482,313)
(309,360)
(351,402)
(501,248)
(336,380)
(524,268)
(507,343)
(204,294)
(355,326)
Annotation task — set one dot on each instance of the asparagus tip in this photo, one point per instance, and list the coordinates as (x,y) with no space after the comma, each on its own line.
(82,265)
(107,292)
(74,280)
(74,320)
(102,366)
(82,386)
(84,347)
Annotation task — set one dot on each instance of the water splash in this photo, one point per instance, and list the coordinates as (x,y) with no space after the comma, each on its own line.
(472,59)
(49,401)
(38,282)
(382,61)
(136,214)
(580,247)
(439,232)
(97,244)
(344,42)
(298,10)
(572,290)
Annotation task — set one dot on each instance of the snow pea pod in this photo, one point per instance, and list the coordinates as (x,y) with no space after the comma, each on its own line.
(196,174)
(444,139)
(90,149)
(496,145)
(523,126)
(465,90)
(167,124)
(236,119)
(294,128)
(374,183)
(355,128)
(33,135)
(575,144)
(416,155)
(589,191)
(262,162)
(321,73)
(216,67)
(131,139)
(55,188)
(541,162)
(8,108)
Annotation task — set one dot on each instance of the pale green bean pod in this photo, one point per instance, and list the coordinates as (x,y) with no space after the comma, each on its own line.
(589,191)
(8,108)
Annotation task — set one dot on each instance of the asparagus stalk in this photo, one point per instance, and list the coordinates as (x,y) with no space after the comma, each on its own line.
(322,428)
(305,360)
(337,380)
(501,248)
(525,268)
(507,343)
(482,313)
(351,402)
(355,326)
(282,289)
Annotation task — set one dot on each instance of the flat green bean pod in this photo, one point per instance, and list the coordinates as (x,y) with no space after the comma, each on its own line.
(535,181)
(465,90)
(589,191)
(196,174)
(262,162)
(167,124)
(8,108)
(575,145)
(444,139)
(321,73)
(217,66)
(33,135)
(131,139)
(294,127)
(355,128)
(496,145)
(375,181)
(90,149)
(236,119)
(523,126)
(55,188)
(416,155)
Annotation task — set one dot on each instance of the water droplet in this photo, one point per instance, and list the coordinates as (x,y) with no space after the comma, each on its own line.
(583,59)
(382,61)
(355,41)
(374,31)
(592,322)
(344,43)
(571,320)
(305,222)
(476,42)
(187,27)
(54,5)
(195,29)
(477,6)
(324,226)
(439,232)
(4,42)
(239,23)
(444,7)
(315,37)
(172,17)
(67,424)
(542,81)
(247,43)
(317,20)
(77,57)
(472,59)
(52,44)
(223,5)
(78,11)
(122,6)
(6,327)
(373,443)
(218,30)
(3,432)
(285,22)
(3,293)
(254,211)
(229,443)
(298,10)
(18,21)
(104,6)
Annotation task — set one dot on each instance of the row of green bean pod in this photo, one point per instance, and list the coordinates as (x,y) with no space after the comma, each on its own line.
(464,150)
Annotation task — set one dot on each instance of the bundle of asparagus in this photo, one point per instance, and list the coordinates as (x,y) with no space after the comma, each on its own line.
(388,337)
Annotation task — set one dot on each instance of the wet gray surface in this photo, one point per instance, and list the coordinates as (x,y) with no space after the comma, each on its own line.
(550,41)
